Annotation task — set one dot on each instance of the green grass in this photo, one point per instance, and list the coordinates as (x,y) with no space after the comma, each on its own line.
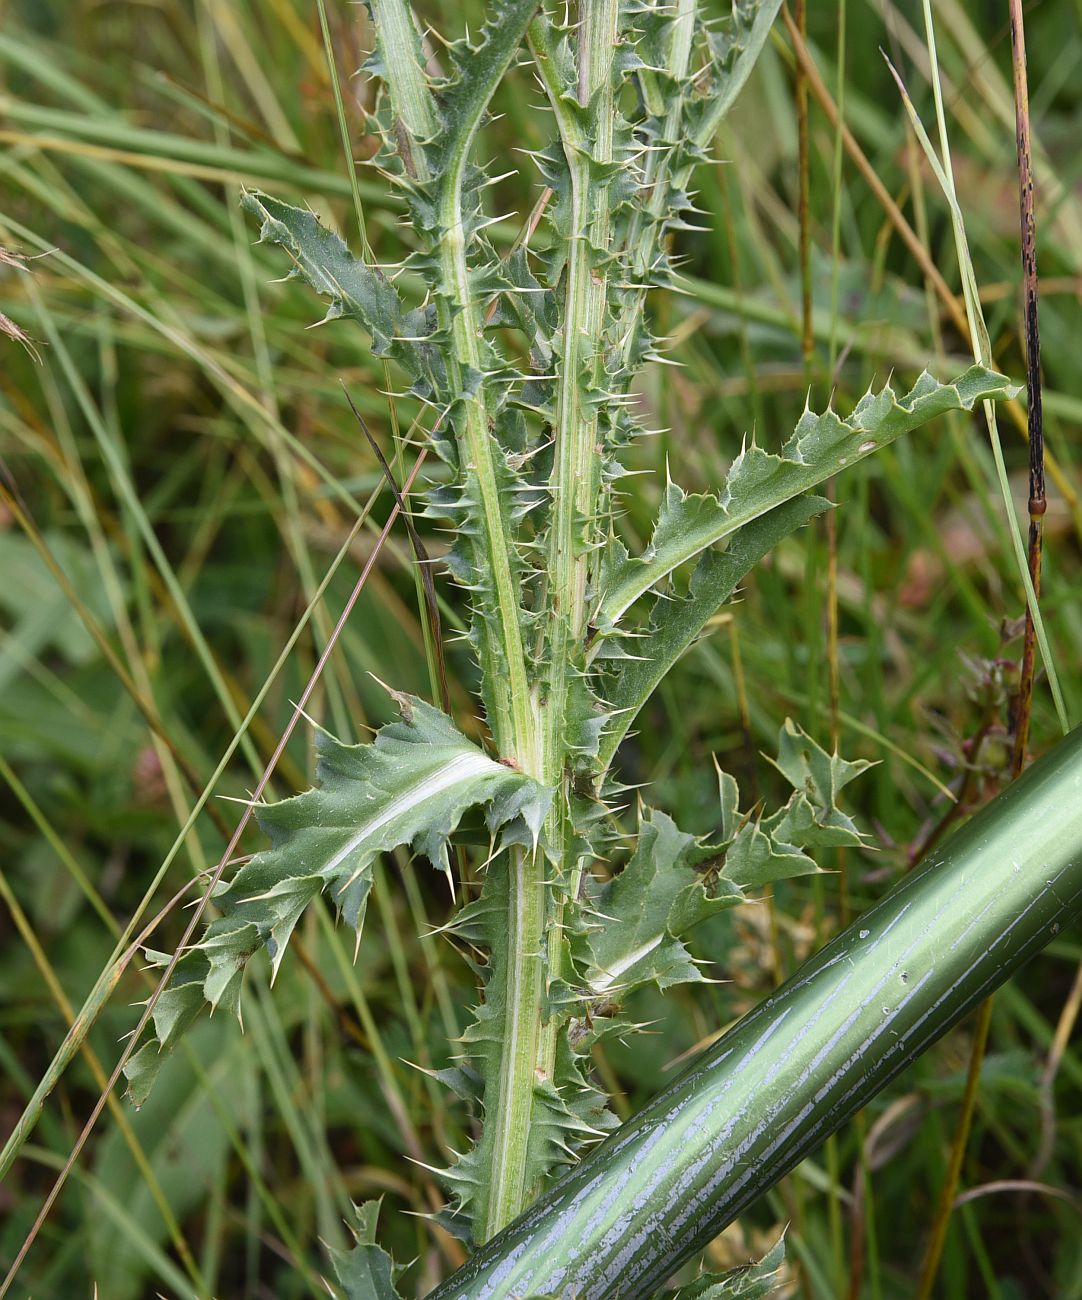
(186,456)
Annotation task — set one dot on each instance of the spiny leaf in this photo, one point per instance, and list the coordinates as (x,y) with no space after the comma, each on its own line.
(660,895)
(361,293)
(365,1272)
(752,1282)
(174,1013)
(772,848)
(821,446)
(632,929)
(409,787)
(808,767)
(323,259)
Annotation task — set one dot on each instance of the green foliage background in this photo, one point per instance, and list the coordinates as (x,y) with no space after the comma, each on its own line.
(187,455)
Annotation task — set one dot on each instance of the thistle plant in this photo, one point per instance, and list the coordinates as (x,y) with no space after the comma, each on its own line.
(526,363)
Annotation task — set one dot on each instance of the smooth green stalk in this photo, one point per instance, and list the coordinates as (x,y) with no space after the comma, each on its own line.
(790,1073)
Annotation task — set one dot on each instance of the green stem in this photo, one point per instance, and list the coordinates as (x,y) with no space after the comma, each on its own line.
(511,1179)
(580,372)
(509,1103)
(501,651)
(656,185)
(575,479)
(503,658)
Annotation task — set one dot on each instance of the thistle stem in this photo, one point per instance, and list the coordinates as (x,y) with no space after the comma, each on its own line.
(511,707)
(509,1115)
(575,477)
(501,651)
(576,469)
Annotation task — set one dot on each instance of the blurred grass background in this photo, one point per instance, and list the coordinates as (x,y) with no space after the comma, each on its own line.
(179,473)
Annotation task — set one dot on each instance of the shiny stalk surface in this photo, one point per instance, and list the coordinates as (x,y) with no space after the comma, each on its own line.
(785,1077)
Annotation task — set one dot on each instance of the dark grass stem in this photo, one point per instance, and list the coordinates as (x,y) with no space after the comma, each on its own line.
(1037,500)
(934,1252)
(1023,702)
(215,876)
(807,332)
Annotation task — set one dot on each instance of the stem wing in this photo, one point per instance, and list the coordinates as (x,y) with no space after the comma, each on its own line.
(736,50)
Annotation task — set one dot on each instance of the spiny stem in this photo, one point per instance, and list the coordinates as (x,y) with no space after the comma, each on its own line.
(535,947)
(640,247)
(510,1112)
(511,714)
(509,1099)
(576,467)
(502,655)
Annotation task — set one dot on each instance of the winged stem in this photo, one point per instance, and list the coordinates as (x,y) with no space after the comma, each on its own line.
(501,649)
(576,470)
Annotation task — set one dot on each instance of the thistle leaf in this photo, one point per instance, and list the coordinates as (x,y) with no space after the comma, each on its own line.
(176,1010)
(752,1282)
(409,787)
(365,1272)
(772,848)
(319,256)
(662,893)
(759,480)
(808,767)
